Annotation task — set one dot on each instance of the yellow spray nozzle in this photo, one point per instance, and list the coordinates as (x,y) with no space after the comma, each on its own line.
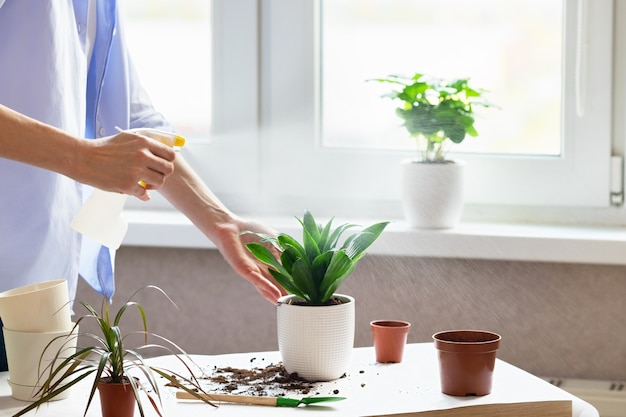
(179,141)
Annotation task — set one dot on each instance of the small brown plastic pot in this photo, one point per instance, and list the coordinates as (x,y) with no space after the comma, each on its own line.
(466,361)
(116,400)
(389,339)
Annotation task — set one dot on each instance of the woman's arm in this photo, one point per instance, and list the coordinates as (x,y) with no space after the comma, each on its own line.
(189,194)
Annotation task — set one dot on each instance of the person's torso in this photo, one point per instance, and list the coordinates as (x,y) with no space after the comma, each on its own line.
(43,75)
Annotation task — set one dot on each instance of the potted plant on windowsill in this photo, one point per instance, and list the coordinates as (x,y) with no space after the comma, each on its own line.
(315,324)
(120,374)
(436,113)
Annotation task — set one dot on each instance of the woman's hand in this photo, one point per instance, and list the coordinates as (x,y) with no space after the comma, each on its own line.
(117,163)
(231,244)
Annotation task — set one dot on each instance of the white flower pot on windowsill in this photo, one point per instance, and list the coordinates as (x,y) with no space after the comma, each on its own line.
(433,194)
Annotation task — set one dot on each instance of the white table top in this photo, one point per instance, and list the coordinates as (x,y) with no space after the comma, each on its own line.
(372,389)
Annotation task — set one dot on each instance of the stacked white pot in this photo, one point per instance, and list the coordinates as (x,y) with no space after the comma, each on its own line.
(36,324)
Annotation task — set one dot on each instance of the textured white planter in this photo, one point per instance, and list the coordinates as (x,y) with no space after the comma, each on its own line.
(316,341)
(433,195)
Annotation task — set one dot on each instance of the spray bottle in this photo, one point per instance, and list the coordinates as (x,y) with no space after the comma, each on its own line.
(100,218)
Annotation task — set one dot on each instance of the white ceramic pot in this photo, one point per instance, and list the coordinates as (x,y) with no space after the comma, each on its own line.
(316,341)
(433,194)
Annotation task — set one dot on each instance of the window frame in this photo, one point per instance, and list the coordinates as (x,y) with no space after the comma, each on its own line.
(575,174)
(269,159)
(228,160)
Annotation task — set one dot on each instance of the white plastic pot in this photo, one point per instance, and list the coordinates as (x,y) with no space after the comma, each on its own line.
(41,307)
(30,356)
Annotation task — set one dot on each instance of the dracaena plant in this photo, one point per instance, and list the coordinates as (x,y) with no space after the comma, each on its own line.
(109,360)
(435,111)
(315,269)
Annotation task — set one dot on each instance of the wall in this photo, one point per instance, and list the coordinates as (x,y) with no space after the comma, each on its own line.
(561,320)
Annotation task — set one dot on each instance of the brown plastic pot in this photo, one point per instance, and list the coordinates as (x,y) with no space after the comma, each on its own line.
(466,361)
(389,339)
(116,400)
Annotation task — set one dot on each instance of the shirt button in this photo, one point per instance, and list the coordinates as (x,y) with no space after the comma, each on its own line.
(79,27)
(102,131)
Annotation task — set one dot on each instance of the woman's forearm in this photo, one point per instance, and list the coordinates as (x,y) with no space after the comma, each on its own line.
(189,194)
(27,140)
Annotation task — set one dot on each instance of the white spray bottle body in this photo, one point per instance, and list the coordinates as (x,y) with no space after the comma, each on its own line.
(100,218)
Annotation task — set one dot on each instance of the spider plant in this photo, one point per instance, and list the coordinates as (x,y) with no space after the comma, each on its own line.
(315,269)
(108,360)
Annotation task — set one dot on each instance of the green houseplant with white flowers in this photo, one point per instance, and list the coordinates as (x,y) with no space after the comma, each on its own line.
(437,113)
(315,323)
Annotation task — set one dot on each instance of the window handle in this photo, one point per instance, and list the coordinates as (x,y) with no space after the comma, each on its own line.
(617,180)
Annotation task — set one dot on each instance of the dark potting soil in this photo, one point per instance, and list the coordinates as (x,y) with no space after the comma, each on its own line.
(271,380)
(331,302)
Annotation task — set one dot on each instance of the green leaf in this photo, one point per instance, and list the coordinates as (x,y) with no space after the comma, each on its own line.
(320,266)
(281,273)
(471,131)
(303,279)
(175,379)
(287,283)
(357,246)
(287,241)
(310,226)
(139,363)
(324,238)
(333,240)
(340,266)
(413,92)
(122,309)
(265,238)
(104,358)
(289,256)
(50,395)
(310,245)
(332,288)
(284,281)
(264,255)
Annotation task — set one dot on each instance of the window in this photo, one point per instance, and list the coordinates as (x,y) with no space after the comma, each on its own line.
(171,48)
(272,74)
(578,176)
(520,66)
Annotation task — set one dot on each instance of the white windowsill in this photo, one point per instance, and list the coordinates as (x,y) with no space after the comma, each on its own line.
(522,242)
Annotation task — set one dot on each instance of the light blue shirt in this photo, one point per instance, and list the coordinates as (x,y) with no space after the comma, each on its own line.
(44,74)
